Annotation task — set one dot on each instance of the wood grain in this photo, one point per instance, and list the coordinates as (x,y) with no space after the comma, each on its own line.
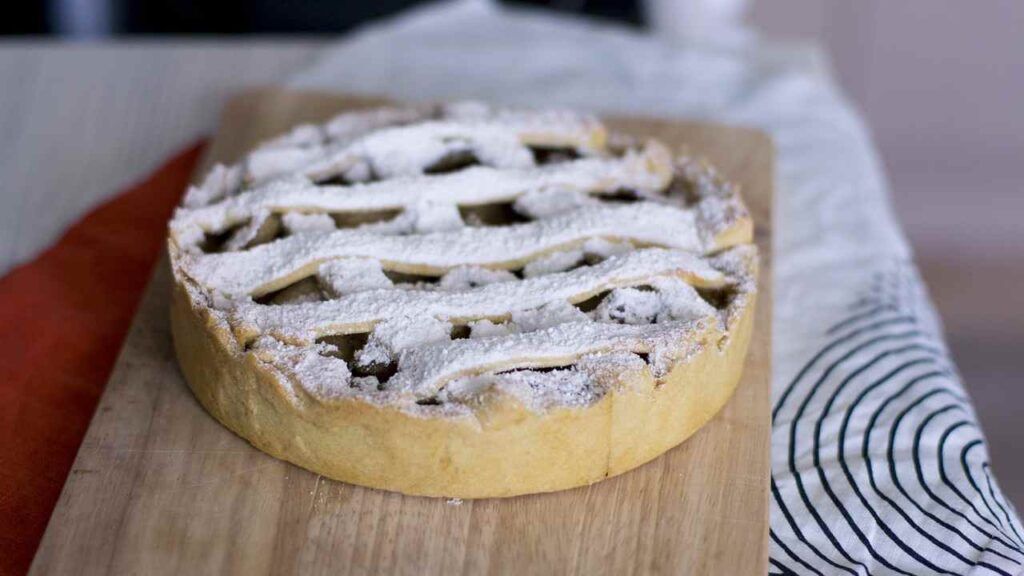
(159,487)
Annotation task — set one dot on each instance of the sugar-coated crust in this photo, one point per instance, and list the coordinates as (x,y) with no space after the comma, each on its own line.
(502,450)
(463,301)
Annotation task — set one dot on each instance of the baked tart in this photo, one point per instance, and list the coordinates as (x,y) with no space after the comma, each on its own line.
(463,301)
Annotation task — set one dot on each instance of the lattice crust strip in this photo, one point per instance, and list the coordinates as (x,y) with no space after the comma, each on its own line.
(647,170)
(420,257)
(360,310)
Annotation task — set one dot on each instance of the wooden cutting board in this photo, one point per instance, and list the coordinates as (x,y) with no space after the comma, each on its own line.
(159,487)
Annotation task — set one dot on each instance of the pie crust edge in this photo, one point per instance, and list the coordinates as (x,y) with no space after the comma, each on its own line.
(503,450)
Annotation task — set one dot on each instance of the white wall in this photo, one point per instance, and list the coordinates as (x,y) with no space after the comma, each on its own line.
(941,83)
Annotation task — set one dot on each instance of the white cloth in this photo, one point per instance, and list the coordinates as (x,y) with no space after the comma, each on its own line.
(878,465)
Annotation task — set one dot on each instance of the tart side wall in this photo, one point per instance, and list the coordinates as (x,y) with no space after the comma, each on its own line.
(506,450)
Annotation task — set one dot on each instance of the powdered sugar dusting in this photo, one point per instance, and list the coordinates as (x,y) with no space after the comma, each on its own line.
(351,275)
(556,262)
(423,257)
(397,334)
(472,186)
(353,309)
(551,314)
(298,223)
(411,149)
(220,182)
(667,299)
(266,267)
(424,371)
(467,277)
(307,366)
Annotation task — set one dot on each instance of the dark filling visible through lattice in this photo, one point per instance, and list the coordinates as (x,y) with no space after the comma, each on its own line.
(593,302)
(498,214)
(347,347)
(719,298)
(215,242)
(540,369)
(406,279)
(453,162)
(268,231)
(553,155)
(683,191)
(620,196)
(355,219)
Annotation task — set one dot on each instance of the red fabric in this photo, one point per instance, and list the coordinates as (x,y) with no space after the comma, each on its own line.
(62,319)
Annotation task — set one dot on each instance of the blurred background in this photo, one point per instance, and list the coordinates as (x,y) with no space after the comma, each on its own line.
(940,82)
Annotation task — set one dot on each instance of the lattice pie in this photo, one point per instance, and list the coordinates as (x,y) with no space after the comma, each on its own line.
(463,301)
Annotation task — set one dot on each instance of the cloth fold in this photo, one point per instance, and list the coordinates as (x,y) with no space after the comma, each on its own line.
(65,315)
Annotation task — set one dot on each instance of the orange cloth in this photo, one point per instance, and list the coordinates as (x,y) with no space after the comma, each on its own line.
(62,319)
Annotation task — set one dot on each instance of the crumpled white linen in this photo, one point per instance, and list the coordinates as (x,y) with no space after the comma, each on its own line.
(878,466)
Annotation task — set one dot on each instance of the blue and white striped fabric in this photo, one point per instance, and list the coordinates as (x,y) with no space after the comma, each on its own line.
(878,465)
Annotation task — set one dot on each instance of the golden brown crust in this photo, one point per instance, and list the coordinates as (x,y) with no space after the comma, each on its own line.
(505,451)
(589,387)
